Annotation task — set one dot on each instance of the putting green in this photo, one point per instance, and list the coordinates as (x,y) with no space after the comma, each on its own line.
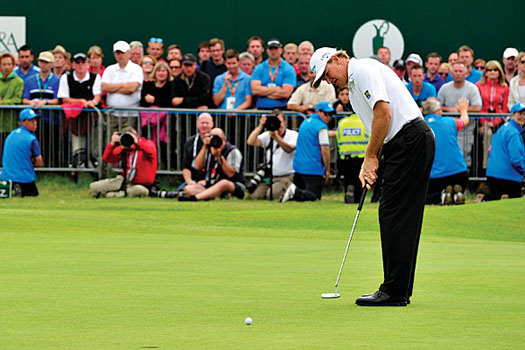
(79,273)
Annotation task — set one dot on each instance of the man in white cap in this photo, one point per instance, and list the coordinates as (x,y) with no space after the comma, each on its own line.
(510,63)
(411,60)
(406,143)
(122,82)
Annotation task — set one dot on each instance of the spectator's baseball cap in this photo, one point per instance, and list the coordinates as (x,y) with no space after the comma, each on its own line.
(518,107)
(510,52)
(121,46)
(189,58)
(318,62)
(273,43)
(46,56)
(414,57)
(399,63)
(79,57)
(325,106)
(27,114)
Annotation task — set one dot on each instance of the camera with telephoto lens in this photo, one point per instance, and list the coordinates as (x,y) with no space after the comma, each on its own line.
(272,122)
(215,141)
(262,172)
(126,139)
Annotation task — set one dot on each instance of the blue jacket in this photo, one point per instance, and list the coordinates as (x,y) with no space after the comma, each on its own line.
(308,159)
(507,153)
(20,146)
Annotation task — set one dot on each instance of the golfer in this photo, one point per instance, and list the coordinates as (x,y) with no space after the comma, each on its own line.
(406,142)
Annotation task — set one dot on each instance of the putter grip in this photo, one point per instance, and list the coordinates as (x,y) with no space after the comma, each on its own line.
(362,200)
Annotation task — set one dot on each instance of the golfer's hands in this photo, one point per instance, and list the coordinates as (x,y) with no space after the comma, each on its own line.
(368,173)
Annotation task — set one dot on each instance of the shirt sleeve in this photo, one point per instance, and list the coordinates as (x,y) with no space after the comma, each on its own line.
(235,159)
(218,83)
(475,97)
(370,83)
(63,87)
(137,75)
(290,77)
(323,137)
(35,149)
(431,91)
(257,73)
(441,96)
(297,96)
(459,124)
(25,94)
(264,138)
(97,86)
(516,153)
(106,77)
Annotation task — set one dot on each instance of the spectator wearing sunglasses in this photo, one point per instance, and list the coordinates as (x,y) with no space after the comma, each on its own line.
(494,93)
(155,48)
(175,67)
(431,76)
(147,63)
(214,65)
(479,64)
(444,70)
(517,84)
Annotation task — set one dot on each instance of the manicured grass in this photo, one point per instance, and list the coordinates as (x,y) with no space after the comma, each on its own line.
(80,273)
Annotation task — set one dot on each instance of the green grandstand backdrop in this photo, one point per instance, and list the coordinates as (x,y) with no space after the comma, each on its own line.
(487,26)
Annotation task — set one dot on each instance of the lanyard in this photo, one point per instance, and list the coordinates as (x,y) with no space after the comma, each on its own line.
(234,88)
(270,71)
(40,85)
(134,162)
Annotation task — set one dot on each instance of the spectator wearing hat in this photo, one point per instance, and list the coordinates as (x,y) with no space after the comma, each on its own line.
(256,48)
(411,60)
(384,55)
(506,166)
(81,89)
(419,89)
(231,89)
(312,156)
(191,89)
(136,51)
(247,62)
(214,65)
(60,60)
(400,69)
(273,80)
(26,67)
(517,84)
(122,82)
(510,63)
(431,76)
(155,48)
(22,154)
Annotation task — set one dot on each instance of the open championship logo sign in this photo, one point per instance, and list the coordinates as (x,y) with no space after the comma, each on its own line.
(12,33)
(377,33)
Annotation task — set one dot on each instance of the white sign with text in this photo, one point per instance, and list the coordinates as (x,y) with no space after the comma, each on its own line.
(12,33)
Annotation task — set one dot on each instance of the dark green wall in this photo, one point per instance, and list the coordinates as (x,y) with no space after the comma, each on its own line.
(487,26)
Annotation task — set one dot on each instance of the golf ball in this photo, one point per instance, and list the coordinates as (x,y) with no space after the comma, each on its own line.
(248,321)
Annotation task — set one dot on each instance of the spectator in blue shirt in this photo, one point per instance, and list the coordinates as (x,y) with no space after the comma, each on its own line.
(231,89)
(26,67)
(419,89)
(22,154)
(506,166)
(273,80)
(431,76)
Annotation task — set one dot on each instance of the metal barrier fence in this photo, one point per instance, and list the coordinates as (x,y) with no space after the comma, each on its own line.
(76,144)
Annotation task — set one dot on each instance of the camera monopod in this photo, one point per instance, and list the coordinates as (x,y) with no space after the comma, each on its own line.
(271,169)
(124,165)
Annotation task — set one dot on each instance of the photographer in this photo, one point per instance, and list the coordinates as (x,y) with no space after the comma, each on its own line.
(223,165)
(140,167)
(280,149)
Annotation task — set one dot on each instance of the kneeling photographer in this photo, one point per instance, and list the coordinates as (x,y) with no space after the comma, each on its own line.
(222,162)
(138,168)
(276,174)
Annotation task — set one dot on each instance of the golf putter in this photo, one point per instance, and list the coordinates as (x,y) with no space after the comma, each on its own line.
(359,207)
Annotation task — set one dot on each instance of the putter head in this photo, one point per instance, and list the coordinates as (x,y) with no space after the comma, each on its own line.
(330,295)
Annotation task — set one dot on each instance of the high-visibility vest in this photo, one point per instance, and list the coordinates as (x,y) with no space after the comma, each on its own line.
(352,138)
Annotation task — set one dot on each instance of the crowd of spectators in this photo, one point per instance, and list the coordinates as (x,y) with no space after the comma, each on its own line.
(219,77)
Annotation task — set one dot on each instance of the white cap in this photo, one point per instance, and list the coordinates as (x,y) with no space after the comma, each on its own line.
(121,46)
(318,62)
(414,57)
(510,52)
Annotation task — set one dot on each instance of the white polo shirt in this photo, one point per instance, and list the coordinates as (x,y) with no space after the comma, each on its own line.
(114,75)
(63,88)
(282,161)
(370,81)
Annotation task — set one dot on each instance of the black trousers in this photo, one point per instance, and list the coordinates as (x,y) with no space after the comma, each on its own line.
(408,159)
(28,189)
(309,187)
(499,187)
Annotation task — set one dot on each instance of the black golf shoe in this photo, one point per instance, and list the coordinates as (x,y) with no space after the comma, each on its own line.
(380,298)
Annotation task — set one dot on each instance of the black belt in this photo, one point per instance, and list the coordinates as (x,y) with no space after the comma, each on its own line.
(407,125)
